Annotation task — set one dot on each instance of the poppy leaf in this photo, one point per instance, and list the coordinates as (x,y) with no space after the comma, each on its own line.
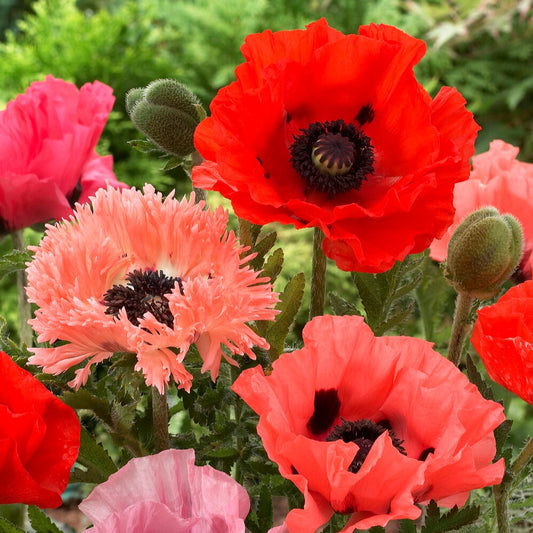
(13,261)
(273,264)
(476,378)
(452,520)
(264,504)
(289,304)
(96,461)
(143,146)
(342,306)
(8,345)
(82,399)
(407,526)
(261,248)
(40,522)
(8,527)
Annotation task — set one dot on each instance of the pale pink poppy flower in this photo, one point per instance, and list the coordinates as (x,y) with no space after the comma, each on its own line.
(167,492)
(139,273)
(48,160)
(497,179)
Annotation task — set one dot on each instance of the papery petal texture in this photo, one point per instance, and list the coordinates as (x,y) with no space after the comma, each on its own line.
(344,373)
(503,338)
(500,180)
(210,296)
(48,161)
(39,439)
(167,491)
(293,79)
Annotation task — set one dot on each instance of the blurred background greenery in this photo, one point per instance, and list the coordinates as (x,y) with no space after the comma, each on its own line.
(482,47)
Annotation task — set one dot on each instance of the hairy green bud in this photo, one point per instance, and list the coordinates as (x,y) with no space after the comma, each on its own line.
(483,252)
(167,112)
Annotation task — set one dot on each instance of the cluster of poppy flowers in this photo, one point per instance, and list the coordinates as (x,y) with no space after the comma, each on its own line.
(365,426)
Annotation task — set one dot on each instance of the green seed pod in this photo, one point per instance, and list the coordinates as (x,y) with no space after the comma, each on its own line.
(167,113)
(483,252)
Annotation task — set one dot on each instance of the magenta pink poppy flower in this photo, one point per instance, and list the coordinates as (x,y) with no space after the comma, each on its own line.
(48,160)
(39,439)
(167,492)
(497,179)
(139,273)
(371,426)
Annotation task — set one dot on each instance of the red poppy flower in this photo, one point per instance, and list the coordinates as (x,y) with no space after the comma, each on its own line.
(371,426)
(497,179)
(503,337)
(39,439)
(331,130)
(48,161)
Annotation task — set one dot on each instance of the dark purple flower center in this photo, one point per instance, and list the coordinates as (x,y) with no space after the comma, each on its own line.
(334,157)
(364,433)
(144,292)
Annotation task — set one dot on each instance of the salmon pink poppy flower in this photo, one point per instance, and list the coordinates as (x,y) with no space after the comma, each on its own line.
(497,179)
(503,338)
(167,492)
(371,426)
(48,161)
(39,439)
(333,131)
(136,273)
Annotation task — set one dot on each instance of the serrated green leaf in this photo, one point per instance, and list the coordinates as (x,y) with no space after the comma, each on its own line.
(143,146)
(172,162)
(7,527)
(407,526)
(453,520)
(40,521)
(261,248)
(95,459)
(13,261)
(273,264)
(221,452)
(341,306)
(477,379)
(501,433)
(82,399)
(289,304)
(9,346)
(264,505)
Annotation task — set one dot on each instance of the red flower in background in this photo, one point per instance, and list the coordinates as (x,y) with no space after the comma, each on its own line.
(371,426)
(331,130)
(503,338)
(48,160)
(39,439)
(497,179)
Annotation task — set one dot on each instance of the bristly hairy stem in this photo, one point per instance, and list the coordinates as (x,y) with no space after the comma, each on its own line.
(160,421)
(318,276)
(460,326)
(200,194)
(501,500)
(24,307)
(524,457)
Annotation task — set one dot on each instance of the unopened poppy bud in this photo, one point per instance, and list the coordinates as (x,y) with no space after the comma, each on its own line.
(483,252)
(167,112)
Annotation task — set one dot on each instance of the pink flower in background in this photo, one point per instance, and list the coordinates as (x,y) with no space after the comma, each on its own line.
(167,492)
(48,160)
(136,273)
(498,179)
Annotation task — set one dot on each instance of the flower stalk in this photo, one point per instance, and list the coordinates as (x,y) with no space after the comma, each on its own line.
(318,276)
(160,421)
(460,327)
(24,306)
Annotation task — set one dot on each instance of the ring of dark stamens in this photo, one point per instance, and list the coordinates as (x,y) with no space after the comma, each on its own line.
(364,433)
(316,151)
(144,292)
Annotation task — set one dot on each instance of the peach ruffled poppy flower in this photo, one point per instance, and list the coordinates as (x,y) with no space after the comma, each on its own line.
(167,492)
(497,179)
(371,426)
(139,273)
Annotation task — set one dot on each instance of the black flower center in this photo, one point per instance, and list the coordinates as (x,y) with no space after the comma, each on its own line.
(364,433)
(333,157)
(144,292)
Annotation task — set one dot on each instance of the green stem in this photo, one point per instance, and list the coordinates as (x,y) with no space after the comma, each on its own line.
(460,327)
(523,458)
(200,194)
(24,307)
(501,499)
(318,276)
(160,421)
